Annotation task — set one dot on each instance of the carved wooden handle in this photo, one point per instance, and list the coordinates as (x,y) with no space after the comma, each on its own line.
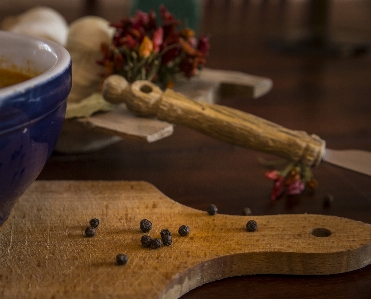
(227,124)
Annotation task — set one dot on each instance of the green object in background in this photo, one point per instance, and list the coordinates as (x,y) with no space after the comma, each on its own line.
(186,11)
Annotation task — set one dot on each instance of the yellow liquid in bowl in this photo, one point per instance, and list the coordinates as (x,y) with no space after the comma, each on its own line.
(10,77)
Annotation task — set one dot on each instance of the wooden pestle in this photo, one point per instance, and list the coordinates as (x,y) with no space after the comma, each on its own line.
(146,99)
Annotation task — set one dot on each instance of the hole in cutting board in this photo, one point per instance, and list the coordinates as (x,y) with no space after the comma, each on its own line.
(321,232)
(146,89)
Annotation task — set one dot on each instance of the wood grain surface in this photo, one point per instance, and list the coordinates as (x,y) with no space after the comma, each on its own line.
(145,99)
(45,254)
(241,128)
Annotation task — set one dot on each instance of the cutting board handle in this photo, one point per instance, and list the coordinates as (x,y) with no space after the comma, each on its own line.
(227,124)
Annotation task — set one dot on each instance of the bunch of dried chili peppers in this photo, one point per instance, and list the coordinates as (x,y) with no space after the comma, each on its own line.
(142,50)
(291,181)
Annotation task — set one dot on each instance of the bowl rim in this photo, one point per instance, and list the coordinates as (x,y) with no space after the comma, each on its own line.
(63,62)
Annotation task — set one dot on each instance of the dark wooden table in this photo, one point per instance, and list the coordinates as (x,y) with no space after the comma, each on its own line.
(328,94)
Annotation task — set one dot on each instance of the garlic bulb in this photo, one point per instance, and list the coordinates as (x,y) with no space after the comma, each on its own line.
(83,42)
(41,22)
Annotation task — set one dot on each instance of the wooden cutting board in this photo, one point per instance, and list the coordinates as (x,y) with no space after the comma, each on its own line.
(45,254)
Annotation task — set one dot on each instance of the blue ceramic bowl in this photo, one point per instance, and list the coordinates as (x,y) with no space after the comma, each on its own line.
(31,112)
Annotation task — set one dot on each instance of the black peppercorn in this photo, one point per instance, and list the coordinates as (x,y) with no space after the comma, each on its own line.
(164,232)
(94,222)
(328,200)
(90,232)
(183,230)
(121,259)
(145,225)
(156,243)
(146,240)
(167,240)
(251,226)
(167,237)
(212,209)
